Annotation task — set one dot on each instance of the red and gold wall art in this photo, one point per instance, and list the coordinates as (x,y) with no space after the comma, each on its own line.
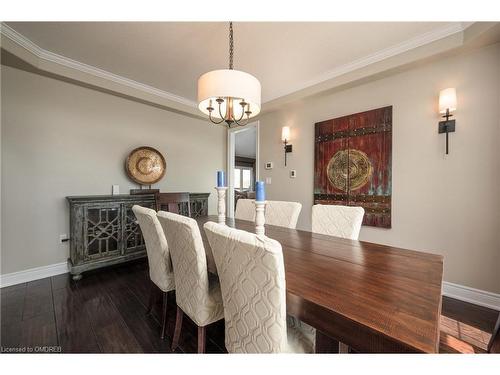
(353,163)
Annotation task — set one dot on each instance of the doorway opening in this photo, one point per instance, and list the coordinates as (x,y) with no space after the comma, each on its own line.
(243,164)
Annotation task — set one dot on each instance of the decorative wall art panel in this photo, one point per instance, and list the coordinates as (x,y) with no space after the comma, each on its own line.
(353,163)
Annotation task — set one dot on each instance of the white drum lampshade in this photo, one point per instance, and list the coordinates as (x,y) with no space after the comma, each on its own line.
(447,100)
(228,83)
(285,134)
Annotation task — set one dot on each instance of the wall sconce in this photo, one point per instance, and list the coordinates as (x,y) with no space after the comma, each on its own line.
(447,104)
(285,137)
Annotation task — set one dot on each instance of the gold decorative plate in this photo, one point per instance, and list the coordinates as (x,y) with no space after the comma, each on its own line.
(349,164)
(145,165)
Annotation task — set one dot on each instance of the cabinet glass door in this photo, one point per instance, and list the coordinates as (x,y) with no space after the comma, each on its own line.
(102,231)
(132,235)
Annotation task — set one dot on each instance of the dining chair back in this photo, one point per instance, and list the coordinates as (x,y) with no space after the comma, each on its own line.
(338,221)
(197,295)
(160,265)
(252,277)
(245,209)
(177,203)
(282,214)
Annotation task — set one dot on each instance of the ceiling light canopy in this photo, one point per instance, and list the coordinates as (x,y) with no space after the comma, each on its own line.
(229,96)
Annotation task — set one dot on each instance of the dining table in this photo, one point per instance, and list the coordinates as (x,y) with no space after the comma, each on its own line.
(374,298)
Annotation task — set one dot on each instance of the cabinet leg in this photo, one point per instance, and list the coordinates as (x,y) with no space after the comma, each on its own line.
(77,276)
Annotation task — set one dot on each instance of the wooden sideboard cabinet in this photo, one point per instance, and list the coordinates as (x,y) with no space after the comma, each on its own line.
(104,231)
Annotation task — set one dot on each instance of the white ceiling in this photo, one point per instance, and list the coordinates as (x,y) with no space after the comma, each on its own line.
(170,56)
(245,143)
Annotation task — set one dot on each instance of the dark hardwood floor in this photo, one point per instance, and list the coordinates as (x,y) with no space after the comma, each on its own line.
(105,312)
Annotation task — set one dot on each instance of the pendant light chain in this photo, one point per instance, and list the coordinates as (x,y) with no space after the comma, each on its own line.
(231,45)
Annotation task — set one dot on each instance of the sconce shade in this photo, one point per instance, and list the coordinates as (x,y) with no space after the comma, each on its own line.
(447,100)
(285,134)
(229,83)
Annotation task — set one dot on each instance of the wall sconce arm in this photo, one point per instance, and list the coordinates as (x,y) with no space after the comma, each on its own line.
(288,148)
(447,126)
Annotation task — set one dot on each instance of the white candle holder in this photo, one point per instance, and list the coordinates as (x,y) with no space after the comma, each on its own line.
(260,218)
(221,204)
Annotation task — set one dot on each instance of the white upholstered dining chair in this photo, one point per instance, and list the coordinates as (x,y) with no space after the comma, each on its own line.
(279,213)
(160,266)
(245,209)
(252,277)
(198,295)
(338,221)
(282,214)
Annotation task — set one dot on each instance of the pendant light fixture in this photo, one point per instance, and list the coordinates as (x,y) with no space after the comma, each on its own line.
(229,96)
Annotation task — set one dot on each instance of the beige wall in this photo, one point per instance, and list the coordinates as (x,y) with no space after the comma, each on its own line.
(446,205)
(59,139)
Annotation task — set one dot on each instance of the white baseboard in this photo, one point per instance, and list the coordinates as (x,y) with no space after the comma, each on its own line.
(33,274)
(472,295)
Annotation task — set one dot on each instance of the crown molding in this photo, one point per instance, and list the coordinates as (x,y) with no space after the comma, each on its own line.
(177,102)
(45,55)
(384,54)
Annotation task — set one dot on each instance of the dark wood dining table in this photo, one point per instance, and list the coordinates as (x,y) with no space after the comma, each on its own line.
(374,298)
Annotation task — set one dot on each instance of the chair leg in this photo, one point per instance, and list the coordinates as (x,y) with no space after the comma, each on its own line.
(151,301)
(164,316)
(202,332)
(178,326)
(343,348)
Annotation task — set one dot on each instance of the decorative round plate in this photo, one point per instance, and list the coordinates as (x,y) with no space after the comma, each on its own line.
(145,165)
(352,164)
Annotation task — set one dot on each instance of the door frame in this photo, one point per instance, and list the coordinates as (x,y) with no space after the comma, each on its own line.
(231,132)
